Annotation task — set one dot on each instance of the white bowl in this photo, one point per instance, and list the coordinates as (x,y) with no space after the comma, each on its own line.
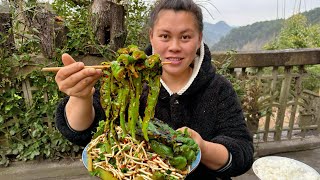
(283,168)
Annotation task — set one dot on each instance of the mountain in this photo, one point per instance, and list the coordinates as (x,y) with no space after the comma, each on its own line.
(213,32)
(255,36)
(250,37)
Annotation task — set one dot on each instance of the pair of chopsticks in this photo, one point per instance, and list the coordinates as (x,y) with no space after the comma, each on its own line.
(56,69)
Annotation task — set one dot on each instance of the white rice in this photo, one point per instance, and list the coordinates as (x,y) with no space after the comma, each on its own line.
(280,168)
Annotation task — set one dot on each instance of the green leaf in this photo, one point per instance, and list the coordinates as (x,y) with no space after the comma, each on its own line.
(1,119)
(34,133)
(17,97)
(8,107)
(12,132)
(20,147)
(16,57)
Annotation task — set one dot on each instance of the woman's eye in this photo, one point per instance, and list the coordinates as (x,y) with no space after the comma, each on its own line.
(186,37)
(164,36)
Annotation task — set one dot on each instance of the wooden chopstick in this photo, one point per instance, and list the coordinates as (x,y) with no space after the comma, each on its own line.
(56,69)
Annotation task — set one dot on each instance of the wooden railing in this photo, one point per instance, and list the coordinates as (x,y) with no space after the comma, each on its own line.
(291,111)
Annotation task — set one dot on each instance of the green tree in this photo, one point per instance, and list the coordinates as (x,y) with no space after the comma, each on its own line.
(298,33)
(136,23)
(295,34)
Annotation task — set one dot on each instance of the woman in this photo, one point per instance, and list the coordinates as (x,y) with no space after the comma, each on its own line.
(192,95)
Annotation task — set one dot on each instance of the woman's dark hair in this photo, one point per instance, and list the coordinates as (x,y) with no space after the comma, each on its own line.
(177,5)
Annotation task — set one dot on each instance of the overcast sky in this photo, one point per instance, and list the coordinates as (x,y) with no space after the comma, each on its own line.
(244,12)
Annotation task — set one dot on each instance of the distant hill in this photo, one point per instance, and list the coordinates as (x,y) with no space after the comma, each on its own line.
(213,32)
(255,36)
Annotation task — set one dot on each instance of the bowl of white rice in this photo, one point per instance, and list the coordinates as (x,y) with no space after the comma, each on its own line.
(282,168)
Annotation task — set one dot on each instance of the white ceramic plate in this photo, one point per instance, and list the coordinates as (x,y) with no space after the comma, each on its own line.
(194,164)
(282,168)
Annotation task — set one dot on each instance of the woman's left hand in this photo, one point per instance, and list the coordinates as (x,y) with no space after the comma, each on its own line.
(213,155)
(195,136)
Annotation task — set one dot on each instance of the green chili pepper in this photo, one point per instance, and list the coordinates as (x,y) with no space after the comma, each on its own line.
(154,88)
(178,162)
(152,60)
(118,71)
(123,106)
(134,104)
(105,93)
(130,110)
(132,48)
(189,155)
(132,68)
(158,176)
(161,149)
(138,54)
(123,51)
(104,175)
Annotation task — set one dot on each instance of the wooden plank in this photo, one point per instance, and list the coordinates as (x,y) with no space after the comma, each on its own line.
(283,103)
(27,94)
(269,110)
(297,94)
(270,58)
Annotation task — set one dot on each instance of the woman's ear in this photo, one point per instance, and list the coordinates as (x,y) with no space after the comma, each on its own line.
(200,40)
(150,35)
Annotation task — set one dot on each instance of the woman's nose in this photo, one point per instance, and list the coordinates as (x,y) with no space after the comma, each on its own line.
(175,45)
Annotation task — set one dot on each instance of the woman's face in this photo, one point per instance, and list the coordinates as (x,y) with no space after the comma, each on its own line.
(175,37)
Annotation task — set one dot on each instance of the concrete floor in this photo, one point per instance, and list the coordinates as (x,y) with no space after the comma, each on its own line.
(74,169)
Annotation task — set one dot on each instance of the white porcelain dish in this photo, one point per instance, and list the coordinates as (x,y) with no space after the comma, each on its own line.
(283,168)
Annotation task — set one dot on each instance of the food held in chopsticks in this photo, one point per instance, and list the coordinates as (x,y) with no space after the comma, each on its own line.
(126,144)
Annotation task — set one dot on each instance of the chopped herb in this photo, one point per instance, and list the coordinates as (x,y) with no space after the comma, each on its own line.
(126,148)
(112,161)
(100,129)
(94,173)
(124,170)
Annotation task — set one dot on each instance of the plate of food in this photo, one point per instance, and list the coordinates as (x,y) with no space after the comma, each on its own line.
(134,159)
(277,167)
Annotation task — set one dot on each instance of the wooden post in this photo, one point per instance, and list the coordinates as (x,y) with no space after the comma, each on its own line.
(283,102)
(294,107)
(27,93)
(271,100)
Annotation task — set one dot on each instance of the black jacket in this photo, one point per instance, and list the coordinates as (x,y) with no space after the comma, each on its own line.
(209,106)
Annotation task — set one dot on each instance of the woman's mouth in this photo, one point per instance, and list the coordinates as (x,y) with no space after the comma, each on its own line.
(174,60)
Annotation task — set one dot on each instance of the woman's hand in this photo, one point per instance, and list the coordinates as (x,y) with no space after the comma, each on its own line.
(74,80)
(78,82)
(195,136)
(213,155)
